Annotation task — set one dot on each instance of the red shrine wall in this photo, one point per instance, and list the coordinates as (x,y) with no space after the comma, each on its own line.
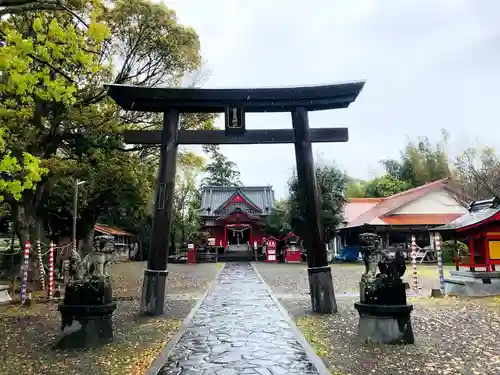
(217,232)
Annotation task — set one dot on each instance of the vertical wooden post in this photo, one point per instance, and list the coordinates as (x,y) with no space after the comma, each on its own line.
(320,276)
(155,276)
(472,254)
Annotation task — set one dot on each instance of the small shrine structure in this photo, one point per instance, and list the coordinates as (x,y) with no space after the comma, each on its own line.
(479,229)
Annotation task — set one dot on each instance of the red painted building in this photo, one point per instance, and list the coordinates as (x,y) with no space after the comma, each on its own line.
(232,216)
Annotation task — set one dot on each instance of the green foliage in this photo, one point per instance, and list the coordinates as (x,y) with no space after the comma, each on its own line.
(331,183)
(187,202)
(355,188)
(54,106)
(277,223)
(385,186)
(221,171)
(421,162)
(451,249)
(17,176)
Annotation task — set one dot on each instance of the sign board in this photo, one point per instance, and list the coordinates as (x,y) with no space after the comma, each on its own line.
(271,244)
(235,120)
(271,250)
(211,241)
(190,246)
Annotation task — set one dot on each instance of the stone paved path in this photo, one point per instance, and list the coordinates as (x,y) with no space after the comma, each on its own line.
(238,330)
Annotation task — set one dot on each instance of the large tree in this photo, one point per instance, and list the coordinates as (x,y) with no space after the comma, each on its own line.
(421,162)
(331,183)
(278,222)
(478,172)
(385,186)
(54,105)
(221,171)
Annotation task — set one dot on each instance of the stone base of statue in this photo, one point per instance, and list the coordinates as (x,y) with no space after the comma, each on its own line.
(86,313)
(384,324)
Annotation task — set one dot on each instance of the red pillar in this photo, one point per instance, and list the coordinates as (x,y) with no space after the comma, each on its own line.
(250,237)
(472,254)
(487,253)
(224,243)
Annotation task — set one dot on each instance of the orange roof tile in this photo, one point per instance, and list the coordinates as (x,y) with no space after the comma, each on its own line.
(376,214)
(420,219)
(358,206)
(111,231)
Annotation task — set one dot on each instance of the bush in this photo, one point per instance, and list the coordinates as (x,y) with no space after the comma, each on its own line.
(451,248)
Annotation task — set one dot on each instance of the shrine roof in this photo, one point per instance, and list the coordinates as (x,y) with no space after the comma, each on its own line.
(359,212)
(103,228)
(213,197)
(480,212)
(197,100)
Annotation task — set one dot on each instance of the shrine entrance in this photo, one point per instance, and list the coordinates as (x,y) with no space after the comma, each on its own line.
(234,103)
(238,234)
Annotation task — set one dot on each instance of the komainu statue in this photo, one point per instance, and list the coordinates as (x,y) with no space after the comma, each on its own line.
(88,298)
(384,315)
(376,287)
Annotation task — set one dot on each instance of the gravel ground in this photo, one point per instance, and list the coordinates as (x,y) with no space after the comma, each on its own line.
(27,334)
(453,336)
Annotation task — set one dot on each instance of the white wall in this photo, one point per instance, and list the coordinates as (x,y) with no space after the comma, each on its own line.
(436,202)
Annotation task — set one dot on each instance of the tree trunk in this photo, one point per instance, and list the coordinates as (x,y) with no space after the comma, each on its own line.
(85,234)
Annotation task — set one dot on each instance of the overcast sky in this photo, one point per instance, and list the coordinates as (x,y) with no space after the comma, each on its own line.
(428,64)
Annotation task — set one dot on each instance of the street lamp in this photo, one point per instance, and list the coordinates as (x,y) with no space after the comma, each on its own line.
(75,208)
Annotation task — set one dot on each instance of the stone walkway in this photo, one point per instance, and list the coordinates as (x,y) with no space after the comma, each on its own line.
(238,329)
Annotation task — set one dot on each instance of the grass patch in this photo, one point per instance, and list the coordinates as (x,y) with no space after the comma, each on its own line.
(219,265)
(311,327)
(29,333)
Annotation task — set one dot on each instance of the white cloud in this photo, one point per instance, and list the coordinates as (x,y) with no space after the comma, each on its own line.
(428,64)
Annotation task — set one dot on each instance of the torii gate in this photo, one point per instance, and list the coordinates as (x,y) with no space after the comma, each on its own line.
(235,103)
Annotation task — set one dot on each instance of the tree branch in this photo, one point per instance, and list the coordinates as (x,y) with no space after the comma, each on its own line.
(21,6)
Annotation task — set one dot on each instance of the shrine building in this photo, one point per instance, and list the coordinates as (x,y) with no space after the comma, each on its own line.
(232,216)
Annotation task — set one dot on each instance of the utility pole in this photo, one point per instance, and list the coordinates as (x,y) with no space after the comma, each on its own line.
(75,209)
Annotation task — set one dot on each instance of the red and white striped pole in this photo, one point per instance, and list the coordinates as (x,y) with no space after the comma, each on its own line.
(439,253)
(41,270)
(414,262)
(51,269)
(24,282)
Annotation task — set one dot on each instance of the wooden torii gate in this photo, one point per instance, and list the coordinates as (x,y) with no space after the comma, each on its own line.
(235,103)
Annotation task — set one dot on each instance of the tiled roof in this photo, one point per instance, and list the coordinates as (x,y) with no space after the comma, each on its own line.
(102,228)
(419,219)
(479,212)
(358,206)
(377,214)
(214,196)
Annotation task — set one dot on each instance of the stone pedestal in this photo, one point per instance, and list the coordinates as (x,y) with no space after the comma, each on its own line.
(472,284)
(86,314)
(382,324)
